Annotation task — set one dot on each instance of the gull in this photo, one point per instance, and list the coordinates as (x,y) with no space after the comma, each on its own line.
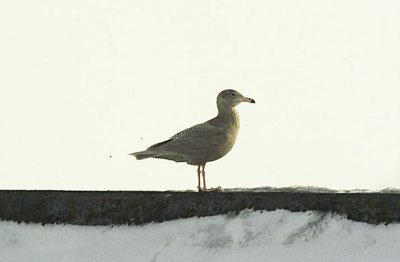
(204,142)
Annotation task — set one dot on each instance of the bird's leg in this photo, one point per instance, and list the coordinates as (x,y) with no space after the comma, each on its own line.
(198,178)
(204,189)
(204,177)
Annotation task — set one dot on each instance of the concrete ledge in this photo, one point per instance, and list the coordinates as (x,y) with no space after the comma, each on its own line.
(136,207)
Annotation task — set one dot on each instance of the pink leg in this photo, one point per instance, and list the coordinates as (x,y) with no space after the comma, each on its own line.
(204,178)
(198,177)
(204,189)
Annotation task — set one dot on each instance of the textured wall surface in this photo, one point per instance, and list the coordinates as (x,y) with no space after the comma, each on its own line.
(135,207)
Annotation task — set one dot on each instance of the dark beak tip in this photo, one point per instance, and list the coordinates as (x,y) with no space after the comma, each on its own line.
(252,101)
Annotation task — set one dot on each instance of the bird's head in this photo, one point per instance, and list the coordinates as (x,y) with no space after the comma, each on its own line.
(231,98)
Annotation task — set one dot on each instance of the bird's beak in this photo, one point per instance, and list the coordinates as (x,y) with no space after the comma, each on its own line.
(249,100)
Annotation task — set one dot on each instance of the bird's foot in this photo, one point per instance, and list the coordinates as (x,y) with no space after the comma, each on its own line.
(216,189)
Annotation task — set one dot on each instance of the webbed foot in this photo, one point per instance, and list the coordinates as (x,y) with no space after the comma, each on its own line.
(216,189)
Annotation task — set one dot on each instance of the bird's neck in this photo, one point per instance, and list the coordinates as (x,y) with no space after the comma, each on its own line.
(228,115)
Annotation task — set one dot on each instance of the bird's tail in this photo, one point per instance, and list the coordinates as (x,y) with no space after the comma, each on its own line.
(153,151)
(143,154)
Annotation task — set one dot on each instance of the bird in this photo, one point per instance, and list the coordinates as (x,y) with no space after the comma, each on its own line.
(205,142)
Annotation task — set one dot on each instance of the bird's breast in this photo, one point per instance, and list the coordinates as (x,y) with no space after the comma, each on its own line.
(228,137)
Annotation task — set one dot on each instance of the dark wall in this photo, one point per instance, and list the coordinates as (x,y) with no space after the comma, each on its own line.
(127,207)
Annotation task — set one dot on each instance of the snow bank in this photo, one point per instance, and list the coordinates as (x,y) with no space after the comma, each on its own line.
(249,236)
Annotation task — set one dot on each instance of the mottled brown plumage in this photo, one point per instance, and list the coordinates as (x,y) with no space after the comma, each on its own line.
(204,142)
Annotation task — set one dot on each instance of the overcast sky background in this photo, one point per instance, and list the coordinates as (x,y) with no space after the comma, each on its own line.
(84,83)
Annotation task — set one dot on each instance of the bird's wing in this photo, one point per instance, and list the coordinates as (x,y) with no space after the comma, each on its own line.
(196,141)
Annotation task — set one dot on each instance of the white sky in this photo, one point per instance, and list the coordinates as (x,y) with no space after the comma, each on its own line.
(85,80)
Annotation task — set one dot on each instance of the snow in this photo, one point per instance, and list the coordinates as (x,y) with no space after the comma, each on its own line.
(249,236)
(310,189)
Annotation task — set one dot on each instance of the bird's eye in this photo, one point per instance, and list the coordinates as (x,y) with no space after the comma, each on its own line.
(233,94)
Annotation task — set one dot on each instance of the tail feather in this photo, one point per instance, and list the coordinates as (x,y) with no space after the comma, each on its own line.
(143,155)
(163,155)
(150,152)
